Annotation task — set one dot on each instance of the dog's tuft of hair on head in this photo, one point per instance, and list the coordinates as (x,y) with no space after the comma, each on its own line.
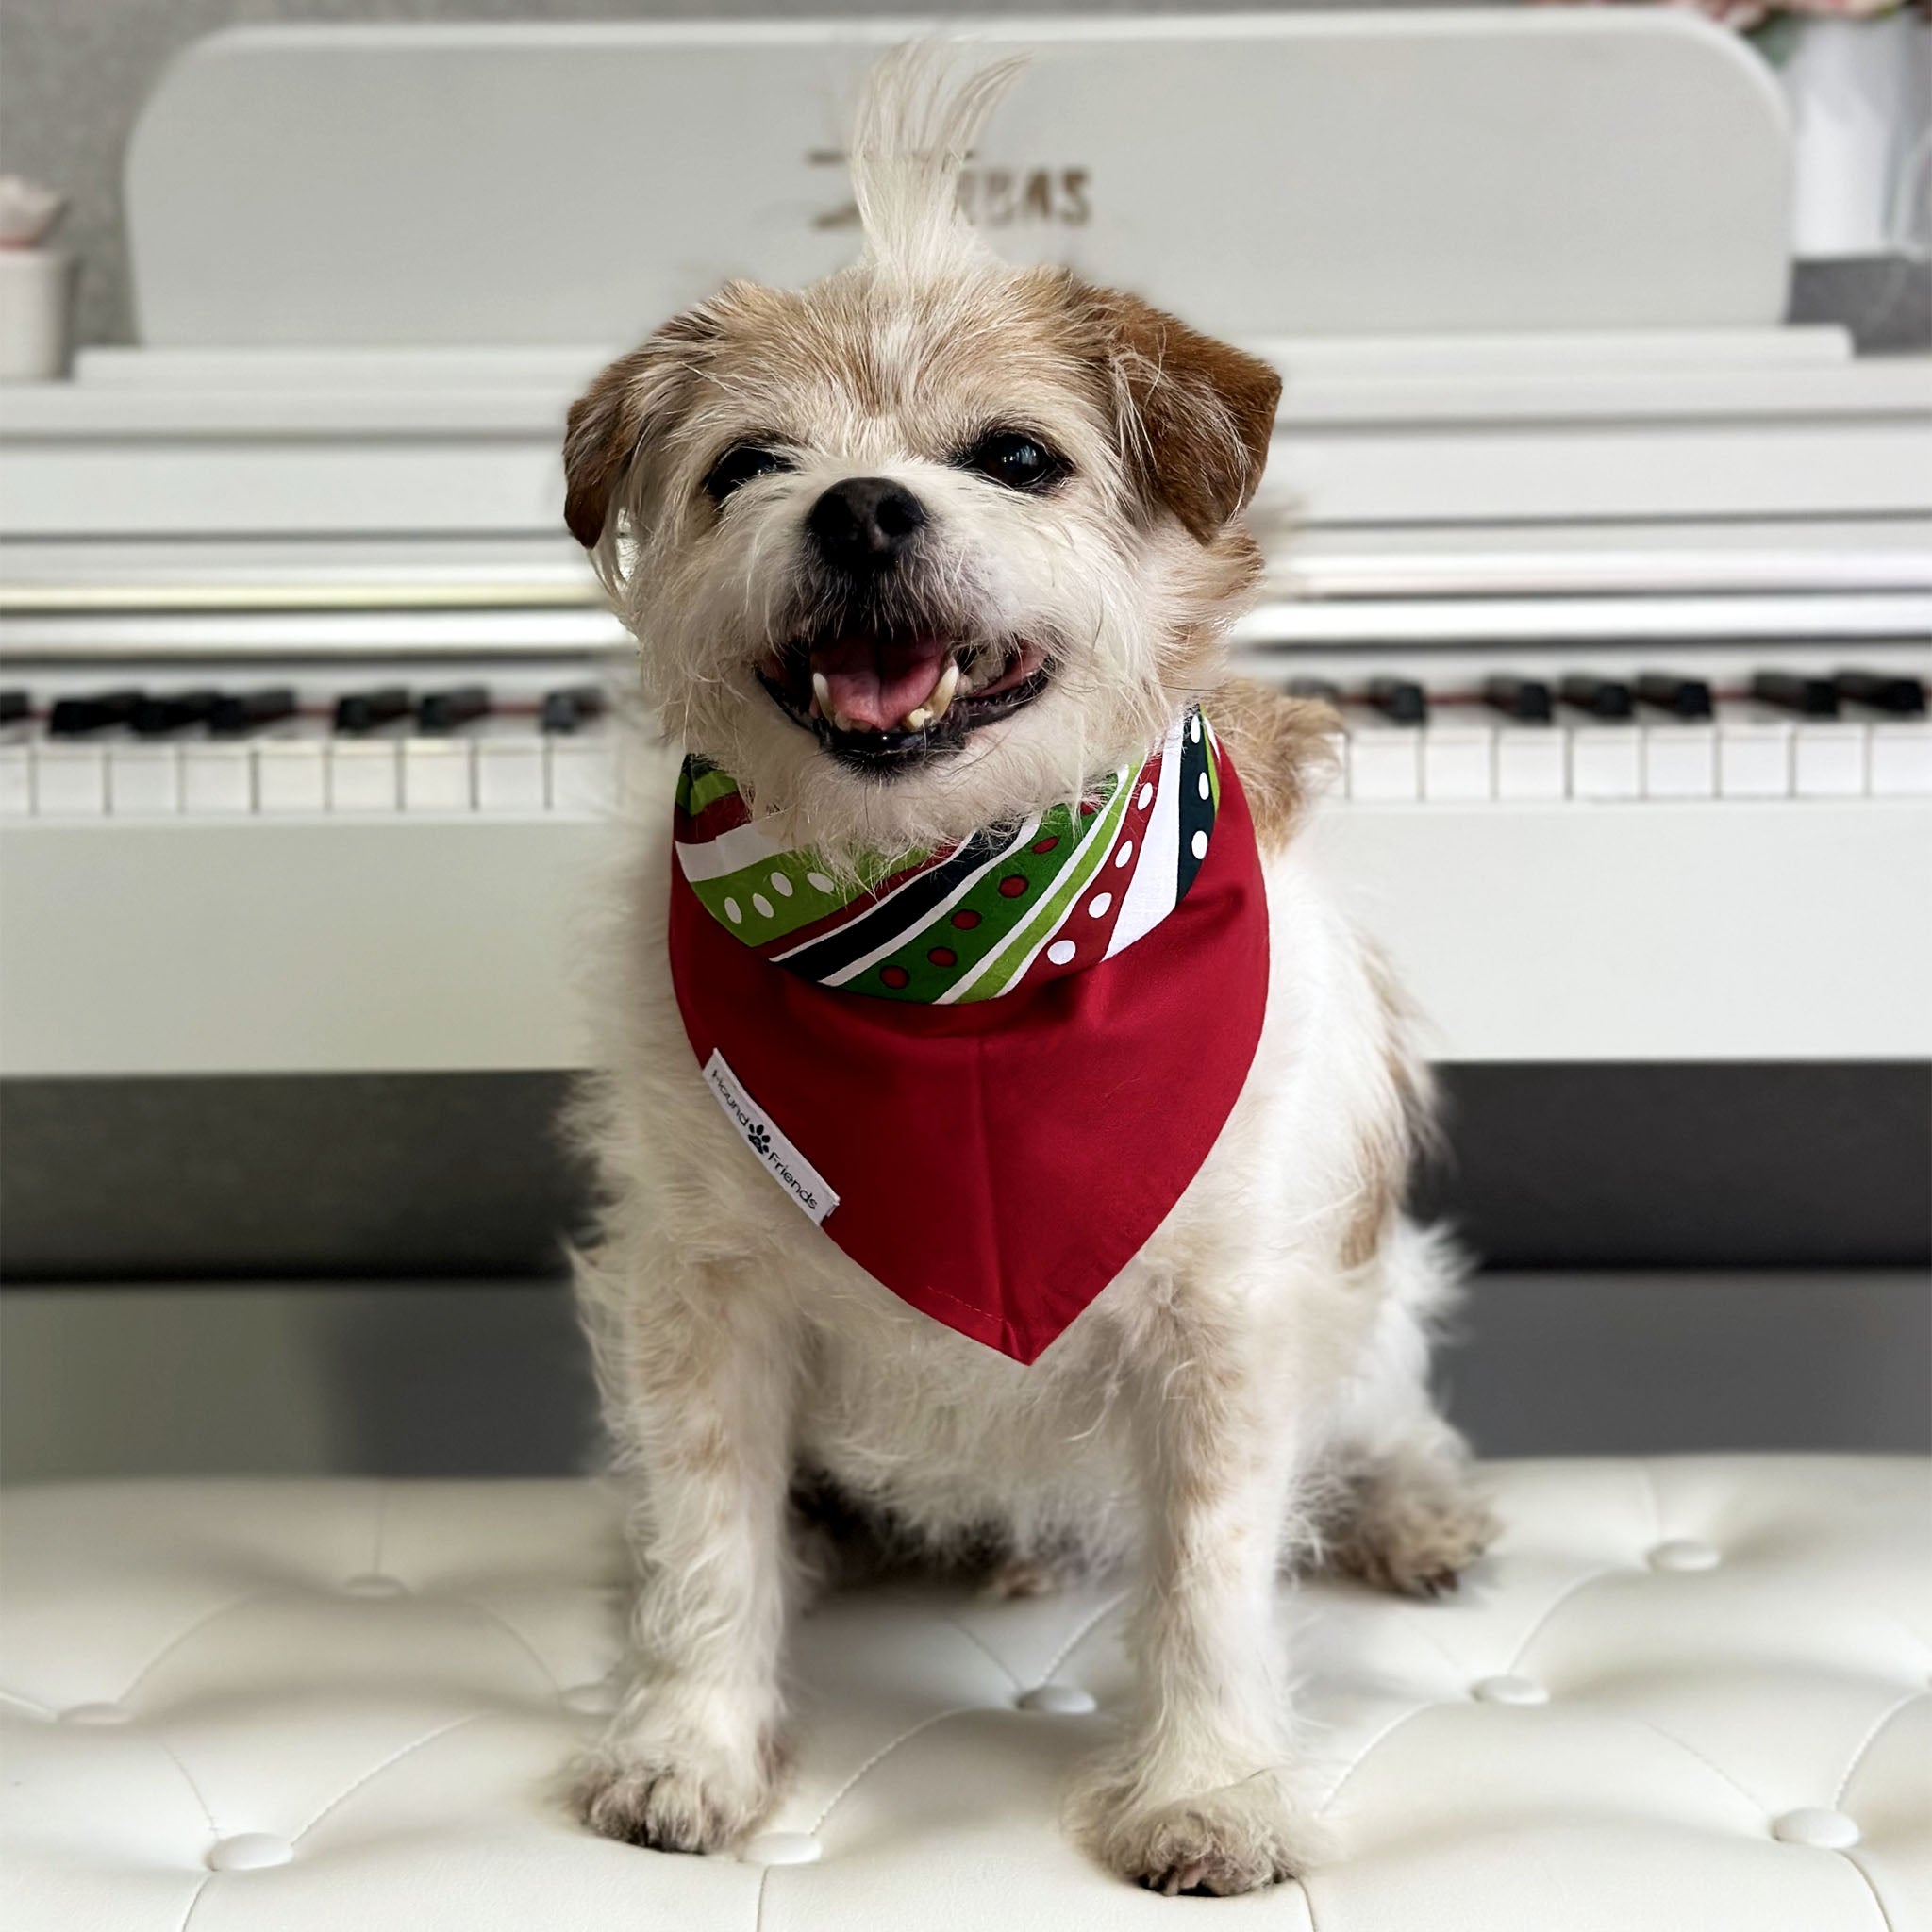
(911,135)
(1104,588)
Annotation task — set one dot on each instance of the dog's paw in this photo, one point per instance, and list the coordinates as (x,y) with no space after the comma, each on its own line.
(686,1800)
(1238,1838)
(1412,1532)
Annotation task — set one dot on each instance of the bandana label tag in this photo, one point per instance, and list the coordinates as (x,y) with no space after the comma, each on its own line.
(787,1165)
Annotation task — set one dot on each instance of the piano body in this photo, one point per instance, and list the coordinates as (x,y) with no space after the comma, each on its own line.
(1624,586)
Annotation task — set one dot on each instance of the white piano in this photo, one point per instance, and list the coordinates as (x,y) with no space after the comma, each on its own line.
(1626,587)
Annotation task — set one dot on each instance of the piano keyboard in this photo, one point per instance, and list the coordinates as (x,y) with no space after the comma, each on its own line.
(275,750)
(1589,738)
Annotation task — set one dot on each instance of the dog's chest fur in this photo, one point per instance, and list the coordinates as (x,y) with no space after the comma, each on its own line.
(944,1435)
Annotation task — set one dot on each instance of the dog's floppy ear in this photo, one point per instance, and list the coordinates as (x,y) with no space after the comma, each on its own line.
(613,421)
(1194,414)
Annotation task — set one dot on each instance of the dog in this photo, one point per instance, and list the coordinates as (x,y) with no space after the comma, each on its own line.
(911,556)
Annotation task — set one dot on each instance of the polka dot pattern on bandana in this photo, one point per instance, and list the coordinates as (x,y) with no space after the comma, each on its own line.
(992,915)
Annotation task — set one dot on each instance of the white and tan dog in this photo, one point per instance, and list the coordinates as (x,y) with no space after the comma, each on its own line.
(910,553)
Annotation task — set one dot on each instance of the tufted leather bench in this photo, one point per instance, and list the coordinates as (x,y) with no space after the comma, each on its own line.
(1681,1696)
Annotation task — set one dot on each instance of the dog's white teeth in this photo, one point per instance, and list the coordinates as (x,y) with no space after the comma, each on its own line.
(943,690)
(936,703)
(821,693)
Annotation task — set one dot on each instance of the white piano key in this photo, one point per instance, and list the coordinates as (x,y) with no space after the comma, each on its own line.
(1754,755)
(583,774)
(1680,762)
(1385,761)
(1459,763)
(144,779)
(1901,760)
(1532,762)
(509,772)
(1606,762)
(218,777)
(16,777)
(70,778)
(364,775)
(436,775)
(1828,760)
(291,774)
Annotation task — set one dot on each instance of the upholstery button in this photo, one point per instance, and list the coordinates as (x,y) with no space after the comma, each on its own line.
(97,1714)
(1055,1699)
(782,1848)
(1684,1552)
(1509,1689)
(595,1699)
(372,1583)
(249,1851)
(1828,1831)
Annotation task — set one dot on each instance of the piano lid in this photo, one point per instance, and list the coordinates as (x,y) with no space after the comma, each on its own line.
(1361,174)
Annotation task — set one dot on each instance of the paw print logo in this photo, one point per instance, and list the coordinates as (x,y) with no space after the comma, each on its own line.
(760,1140)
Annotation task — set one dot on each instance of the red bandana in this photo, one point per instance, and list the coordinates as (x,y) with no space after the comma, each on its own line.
(994,1163)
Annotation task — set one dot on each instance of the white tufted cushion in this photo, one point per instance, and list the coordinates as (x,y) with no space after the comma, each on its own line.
(1682,1696)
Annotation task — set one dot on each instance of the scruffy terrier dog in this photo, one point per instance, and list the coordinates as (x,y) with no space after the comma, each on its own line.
(933,560)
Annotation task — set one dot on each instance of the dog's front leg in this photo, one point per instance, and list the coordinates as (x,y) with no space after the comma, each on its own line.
(1200,1793)
(698,1386)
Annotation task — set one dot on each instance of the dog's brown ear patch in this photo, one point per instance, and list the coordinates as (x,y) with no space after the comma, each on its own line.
(615,417)
(1195,414)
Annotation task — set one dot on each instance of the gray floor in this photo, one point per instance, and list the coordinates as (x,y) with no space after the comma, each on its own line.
(485,1380)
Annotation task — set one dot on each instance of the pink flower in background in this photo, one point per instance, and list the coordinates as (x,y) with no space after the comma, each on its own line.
(28,211)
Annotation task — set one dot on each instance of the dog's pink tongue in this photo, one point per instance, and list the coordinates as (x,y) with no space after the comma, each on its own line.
(874,683)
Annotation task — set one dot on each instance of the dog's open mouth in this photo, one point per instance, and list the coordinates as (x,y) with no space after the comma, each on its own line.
(883,698)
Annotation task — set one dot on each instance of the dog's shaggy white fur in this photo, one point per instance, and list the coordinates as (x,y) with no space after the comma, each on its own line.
(1251,1393)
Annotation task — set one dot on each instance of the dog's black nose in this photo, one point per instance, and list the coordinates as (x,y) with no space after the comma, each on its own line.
(865,523)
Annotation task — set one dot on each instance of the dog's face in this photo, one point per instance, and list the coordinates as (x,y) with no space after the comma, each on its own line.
(911,555)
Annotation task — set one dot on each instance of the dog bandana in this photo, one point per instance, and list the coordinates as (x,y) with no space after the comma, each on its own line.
(987,1073)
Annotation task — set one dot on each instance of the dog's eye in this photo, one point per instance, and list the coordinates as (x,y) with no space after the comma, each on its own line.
(739,465)
(1013,458)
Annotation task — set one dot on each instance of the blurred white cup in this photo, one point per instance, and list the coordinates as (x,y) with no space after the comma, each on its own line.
(1860,95)
(36,305)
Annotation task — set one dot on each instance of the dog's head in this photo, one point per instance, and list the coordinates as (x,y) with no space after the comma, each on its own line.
(922,546)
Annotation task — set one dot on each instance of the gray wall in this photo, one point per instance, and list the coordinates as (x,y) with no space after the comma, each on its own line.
(479,1379)
(74,75)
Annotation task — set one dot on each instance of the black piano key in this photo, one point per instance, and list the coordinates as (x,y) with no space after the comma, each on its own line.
(1807,697)
(1399,700)
(14,707)
(565,710)
(444,710)
(1320,689)
(106,710)
(1682,697)
(365,710)
(239,712)
(1526,700)
(1882,691)
(1606,699)
(159,713)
